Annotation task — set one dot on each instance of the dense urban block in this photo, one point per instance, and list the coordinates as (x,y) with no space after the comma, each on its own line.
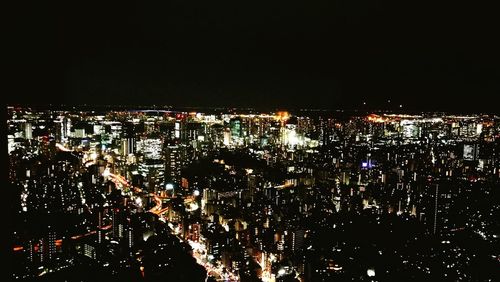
(138,194)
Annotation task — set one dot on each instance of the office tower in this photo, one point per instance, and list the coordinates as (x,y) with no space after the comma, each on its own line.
(235,125)
(28,131)
(130,237)
(79,133)
(66,128)
(192,131)
(153,173)
(128,146)
(51,238)
(173,164)
(47,246)
(116,222)
(150,148)
(31,251)
(444,196)
(101,234)
(436,202)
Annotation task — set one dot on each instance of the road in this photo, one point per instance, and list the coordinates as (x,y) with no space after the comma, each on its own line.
(120,181)
(199,249)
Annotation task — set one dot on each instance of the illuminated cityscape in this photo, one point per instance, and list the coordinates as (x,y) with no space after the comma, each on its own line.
(241,195)
(252,141)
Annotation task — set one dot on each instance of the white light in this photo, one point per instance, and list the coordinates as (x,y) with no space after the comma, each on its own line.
(281,271)
(138,201)
(370,272)
(196,193)
(169,186)
(193,207)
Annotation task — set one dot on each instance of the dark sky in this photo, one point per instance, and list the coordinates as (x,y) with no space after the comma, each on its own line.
(324,54)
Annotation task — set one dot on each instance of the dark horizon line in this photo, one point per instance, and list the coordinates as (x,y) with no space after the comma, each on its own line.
(365,109)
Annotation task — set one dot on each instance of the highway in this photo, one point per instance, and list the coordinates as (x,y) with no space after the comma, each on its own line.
(120,181)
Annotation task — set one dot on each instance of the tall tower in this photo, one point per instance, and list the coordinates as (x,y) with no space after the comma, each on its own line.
(128,146)
(130,237)
(31,250)
(28,131)
(443,218)
(51,243)
(115,222)
(47,246)
(100,235)
(235,125)
(173,163)
(436,210)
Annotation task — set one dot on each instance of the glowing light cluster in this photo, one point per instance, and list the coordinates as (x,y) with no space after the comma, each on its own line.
(376,118)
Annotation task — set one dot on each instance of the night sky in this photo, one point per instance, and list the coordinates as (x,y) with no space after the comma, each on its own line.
(327,54)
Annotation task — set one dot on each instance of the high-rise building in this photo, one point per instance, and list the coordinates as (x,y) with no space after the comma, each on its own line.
(51,238)
(31,250)
(47,246)
(116,222)
(227,137)
(79,132)
(130,237)
(153,173)
(436,202)
(173,164)
(177,131)
(297,237)
(42,250)
(192,131)
(28,131)
(128,146)
(150,148)
(235,125)
(444,195)
(471,152)
(101,233)
(89,251)
(66,128)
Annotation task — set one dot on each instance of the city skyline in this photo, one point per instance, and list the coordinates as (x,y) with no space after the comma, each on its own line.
(252,141)
(227,195)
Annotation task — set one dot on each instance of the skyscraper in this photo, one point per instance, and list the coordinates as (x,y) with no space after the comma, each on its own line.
(235,125)
(116,223)
(51,237)
(28,131)
(443,201)
(47,246)
(128,146)
(173,163)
